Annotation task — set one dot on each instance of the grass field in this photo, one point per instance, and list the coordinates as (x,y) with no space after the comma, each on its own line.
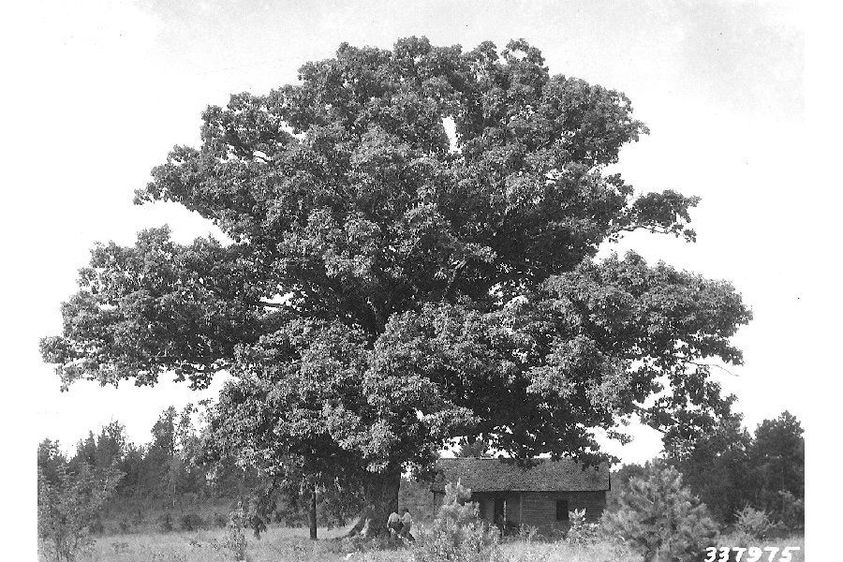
(291,544)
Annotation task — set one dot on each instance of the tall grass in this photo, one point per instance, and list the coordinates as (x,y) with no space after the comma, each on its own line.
(292,544)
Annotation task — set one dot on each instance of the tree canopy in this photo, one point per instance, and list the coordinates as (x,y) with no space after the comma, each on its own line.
(411,260)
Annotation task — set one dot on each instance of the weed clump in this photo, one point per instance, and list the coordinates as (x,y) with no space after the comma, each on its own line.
(751,526)
(124,525)
(165,522)
(220,520)
(191,522)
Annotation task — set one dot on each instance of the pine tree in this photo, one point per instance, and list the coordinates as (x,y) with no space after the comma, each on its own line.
(660,518)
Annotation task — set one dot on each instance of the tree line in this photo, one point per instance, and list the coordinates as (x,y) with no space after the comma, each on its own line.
(167,472)
(171,480)
(728,469)
(728,479)
(731,468)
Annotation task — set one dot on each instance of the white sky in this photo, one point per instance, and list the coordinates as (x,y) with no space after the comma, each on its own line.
(103,90)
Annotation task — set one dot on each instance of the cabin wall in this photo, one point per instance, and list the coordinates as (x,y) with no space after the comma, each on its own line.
(535,509)
(486,505)
(539,508)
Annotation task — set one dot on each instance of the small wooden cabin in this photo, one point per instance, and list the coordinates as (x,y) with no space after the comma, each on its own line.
(540,494)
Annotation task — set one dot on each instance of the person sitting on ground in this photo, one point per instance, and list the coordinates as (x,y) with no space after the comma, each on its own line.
(406,524)
(394,524)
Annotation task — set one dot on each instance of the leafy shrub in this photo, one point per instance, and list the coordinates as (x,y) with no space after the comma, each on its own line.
(279,516)
(96,527)
(457,533)
(752,527)
(792,511)
(660,518)
(235,539)
(220,520)
(753,523)
(165,522)
(68,506)
(191,522)
(527,533)
(581,531)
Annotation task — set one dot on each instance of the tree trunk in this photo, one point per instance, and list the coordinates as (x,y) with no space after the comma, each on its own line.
(311,514)
(380,499)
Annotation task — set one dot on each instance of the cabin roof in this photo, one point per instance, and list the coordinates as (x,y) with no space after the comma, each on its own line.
(542,475)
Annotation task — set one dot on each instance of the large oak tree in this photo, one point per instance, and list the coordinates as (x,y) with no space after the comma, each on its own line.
(389,288)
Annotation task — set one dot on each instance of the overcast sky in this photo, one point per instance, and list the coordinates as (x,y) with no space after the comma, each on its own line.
(107,88)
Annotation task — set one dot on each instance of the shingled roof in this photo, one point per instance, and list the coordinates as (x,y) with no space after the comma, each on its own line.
(495,475)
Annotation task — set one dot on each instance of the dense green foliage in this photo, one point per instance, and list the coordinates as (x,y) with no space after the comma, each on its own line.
(387,290)
(620,482)
(474,448)
(730,469)
(717,468)
(777,458)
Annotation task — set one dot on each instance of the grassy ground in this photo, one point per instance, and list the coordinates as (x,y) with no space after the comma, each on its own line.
(277,544)
(286,544)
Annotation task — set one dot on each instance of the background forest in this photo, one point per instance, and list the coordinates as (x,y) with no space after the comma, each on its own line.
(170,484)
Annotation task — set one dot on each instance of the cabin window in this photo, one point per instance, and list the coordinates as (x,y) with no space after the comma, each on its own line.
(561,510)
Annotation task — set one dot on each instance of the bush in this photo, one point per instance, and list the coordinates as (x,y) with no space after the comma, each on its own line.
(68,506)
(96,527)
(527,533)
(753,523)
(457,533)
(124,525)
(165,522)
(792,511)
(220,520)
(235,540)
(191,522)
(660,518)
(235,535)
(581,531)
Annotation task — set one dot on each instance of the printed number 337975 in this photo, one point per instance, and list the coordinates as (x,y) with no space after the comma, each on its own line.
(751,554)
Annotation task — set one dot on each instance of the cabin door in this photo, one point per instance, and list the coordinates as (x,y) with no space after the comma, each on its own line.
(500,511)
